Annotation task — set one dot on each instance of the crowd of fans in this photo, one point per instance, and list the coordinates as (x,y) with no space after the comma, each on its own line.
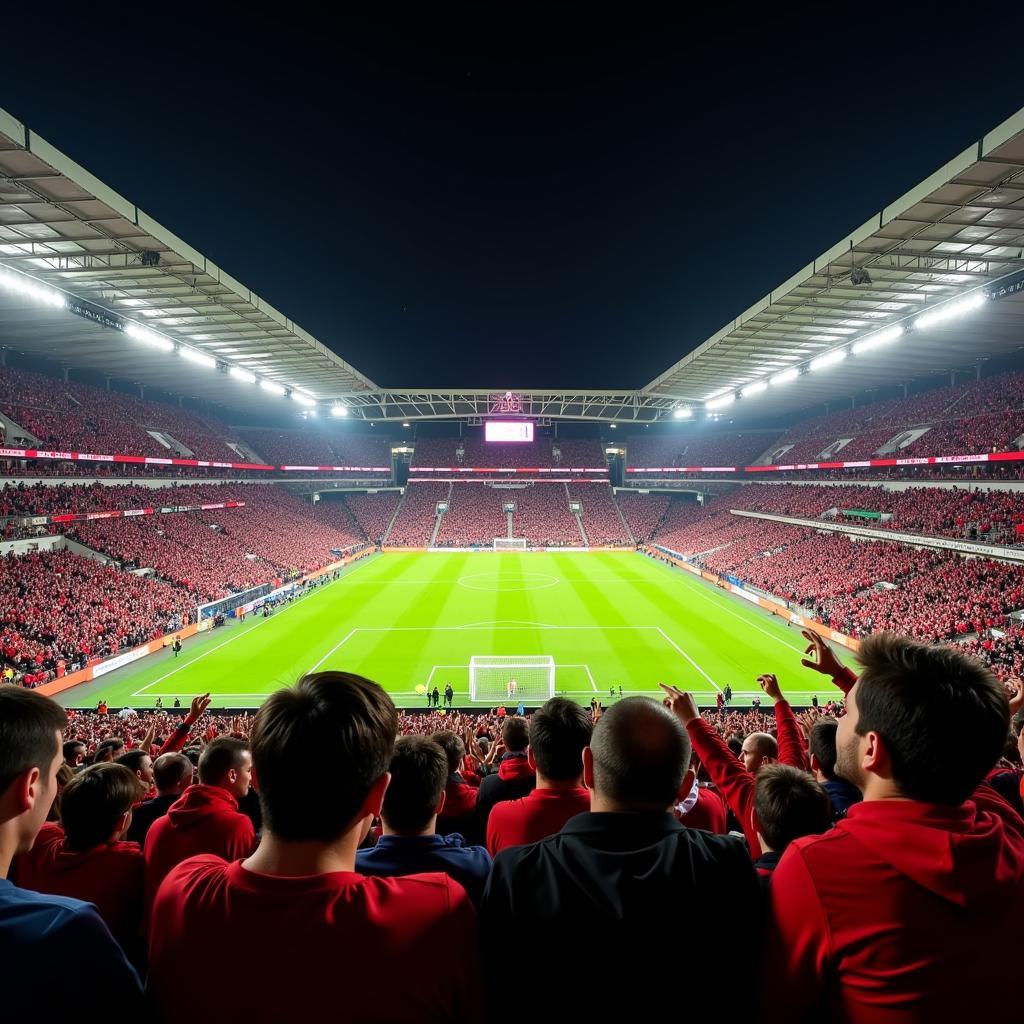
(961,512)
(417,515)
(58,607)
(474,517)
(874,855)
(643,512)
(857,587)
(311,447)
(602,523)
(479,454)
(972,418)
(717,448)
(213,553)
(71,416)
(542,516)
(40,499)
(373,512)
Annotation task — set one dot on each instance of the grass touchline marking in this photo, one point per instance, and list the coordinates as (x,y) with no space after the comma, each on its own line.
(333,649)
(237,636)
(688,658)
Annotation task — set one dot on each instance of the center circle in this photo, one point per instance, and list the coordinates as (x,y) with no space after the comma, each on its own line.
(496,581)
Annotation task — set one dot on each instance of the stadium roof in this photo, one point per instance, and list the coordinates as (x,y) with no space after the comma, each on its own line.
(959,231)
(953,234)
(63,227)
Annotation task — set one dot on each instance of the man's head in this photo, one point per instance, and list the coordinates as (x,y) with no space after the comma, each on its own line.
(30,755)
(226,762)
(453,747)
(320,752)
(74,753)
(923,722)
(789,804)
(107,750)
(140,764)
(822,744)
(172,774)
(515,734)
(96,805)
(758,749)
(559,731)
(638,755)
(419,771)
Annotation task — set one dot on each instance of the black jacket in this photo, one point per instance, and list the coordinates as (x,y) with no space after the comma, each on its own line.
(625,892)
(145,814)
(494,789)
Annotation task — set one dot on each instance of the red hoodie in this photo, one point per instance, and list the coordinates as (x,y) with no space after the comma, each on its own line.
(205,819)
(109,876)
(534,817)
(342,946)
(904,912)
(514,766)
(734,782)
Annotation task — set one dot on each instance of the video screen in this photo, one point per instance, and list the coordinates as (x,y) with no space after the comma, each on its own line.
(508,430)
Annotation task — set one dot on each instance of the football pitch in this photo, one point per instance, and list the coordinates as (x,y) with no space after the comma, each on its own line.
(414,620)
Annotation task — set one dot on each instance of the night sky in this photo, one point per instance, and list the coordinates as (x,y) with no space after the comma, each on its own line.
(513,195)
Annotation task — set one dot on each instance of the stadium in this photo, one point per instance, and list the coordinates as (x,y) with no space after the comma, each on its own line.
(228,550)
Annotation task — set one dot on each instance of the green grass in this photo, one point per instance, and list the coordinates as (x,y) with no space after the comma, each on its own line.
(607,618)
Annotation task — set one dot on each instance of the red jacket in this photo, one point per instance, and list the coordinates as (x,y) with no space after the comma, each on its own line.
(362,948)
(534,817)
(734,782)
(459,798)
(708,813)
(514,766)
(903,912)
(109,876)
(205,819)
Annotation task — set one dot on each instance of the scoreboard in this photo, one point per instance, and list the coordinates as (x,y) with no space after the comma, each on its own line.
(516,431)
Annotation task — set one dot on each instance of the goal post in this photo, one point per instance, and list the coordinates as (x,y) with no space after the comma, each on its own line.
(509,543)
(501,679)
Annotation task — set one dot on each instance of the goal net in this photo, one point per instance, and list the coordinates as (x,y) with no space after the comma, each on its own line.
(509,679)
(509,543)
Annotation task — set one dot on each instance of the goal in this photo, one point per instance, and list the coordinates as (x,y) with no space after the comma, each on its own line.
(509,543)
(501,679)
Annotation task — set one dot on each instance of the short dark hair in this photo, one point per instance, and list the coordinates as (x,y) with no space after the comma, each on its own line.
(219,757)
(132,759)
(515,734)
(453,747)
(641,753)
(93,801)
(70,747)
(789,804)
(822,745)
(317,748)
(942,715)
(170,769)
(28,724)
(419,772)
(559,730)
(105,746)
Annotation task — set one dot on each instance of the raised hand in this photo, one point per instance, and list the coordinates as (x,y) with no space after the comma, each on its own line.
(770,685)
(822,658)
(1015,694)
(199,705)
(680,703)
